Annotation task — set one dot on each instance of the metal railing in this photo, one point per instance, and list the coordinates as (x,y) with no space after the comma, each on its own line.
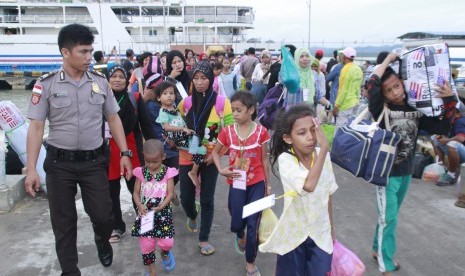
(194,38)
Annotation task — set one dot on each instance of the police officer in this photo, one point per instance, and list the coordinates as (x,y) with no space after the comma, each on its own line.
(75,100)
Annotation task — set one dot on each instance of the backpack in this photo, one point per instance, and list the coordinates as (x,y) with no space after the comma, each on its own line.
(219,106)
(273,102)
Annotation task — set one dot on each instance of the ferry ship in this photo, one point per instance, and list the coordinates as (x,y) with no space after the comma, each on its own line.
(29,28)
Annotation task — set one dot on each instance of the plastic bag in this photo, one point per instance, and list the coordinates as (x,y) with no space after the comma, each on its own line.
(345,262)
(289,73)
(432,172)
(267,225)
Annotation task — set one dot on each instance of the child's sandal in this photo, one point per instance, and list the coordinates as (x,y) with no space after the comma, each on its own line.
(168,264)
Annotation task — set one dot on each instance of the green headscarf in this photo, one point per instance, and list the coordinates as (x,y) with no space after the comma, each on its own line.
(306,75)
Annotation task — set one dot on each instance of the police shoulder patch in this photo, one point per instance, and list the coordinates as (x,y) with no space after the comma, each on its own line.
(45,76)
(98,73)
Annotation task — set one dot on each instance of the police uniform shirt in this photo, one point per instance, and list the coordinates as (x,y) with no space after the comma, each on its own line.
(74,109)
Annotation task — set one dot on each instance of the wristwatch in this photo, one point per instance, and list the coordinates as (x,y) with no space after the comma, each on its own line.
(127,153)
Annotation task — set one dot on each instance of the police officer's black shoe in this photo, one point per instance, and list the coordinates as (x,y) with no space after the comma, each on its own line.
(105,253)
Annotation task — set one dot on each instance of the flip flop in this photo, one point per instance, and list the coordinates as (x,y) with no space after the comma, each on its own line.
(238,247)
(169,264)
(116,236)
(255,272)
(191,225)
(207,250)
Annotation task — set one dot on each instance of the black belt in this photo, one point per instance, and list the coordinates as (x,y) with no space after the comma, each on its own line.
(74,155)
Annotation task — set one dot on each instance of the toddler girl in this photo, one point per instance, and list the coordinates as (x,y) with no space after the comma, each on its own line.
(153,191)
(248,163)
(303,237)
(175,128)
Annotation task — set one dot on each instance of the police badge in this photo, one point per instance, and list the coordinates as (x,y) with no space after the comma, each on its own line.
(95,88)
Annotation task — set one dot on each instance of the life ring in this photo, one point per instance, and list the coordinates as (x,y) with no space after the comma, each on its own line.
(15,127)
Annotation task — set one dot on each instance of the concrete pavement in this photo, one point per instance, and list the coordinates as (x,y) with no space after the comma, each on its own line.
(430,235)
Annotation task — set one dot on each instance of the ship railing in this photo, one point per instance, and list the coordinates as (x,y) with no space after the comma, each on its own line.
(75,1)
(148,19)
(190,39)
(219,18)
(46,18)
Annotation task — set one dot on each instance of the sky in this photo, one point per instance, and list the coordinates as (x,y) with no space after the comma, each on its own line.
(361,22)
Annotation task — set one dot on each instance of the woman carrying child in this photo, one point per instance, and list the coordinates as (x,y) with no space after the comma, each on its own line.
(303,237)
(248,164)
(175,128)
(153,191)
(385,87)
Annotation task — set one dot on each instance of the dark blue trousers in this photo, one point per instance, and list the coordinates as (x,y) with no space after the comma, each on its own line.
(306,260)
(236,201)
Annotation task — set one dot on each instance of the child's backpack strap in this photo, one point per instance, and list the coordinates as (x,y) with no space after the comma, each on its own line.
(219,108)
(187,105)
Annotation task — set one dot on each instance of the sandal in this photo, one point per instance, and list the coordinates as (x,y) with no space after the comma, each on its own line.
(116,236)
(169,263)
(255,272)
(239,248)
(191,225)
(207,249)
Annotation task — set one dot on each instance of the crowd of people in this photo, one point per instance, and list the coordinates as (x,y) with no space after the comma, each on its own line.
(169,117)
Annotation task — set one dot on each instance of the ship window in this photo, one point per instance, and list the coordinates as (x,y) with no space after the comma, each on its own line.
(10,31)
(153,32)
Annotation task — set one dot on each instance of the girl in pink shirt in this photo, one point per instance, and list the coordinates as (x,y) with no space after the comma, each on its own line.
(153,191)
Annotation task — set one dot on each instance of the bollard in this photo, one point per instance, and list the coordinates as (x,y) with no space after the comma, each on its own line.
(2,161)
(461,189)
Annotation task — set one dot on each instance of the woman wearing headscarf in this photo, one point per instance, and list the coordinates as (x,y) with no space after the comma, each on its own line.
(136,124)
(202,117)
(303,59)
(259,79)
(153,75)
(176,71)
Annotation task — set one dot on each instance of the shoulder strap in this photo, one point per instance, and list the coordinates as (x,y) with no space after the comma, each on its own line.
(229,131)
(187,105)
(219,108)
(259,133)
(134,98)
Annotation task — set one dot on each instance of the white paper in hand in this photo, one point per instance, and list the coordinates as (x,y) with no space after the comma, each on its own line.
(146,222)
(241,182)
(258,206)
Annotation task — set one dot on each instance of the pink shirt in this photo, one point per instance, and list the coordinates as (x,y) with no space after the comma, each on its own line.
(153,188)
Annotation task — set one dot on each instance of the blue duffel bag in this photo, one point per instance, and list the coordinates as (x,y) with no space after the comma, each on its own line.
(366,150)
